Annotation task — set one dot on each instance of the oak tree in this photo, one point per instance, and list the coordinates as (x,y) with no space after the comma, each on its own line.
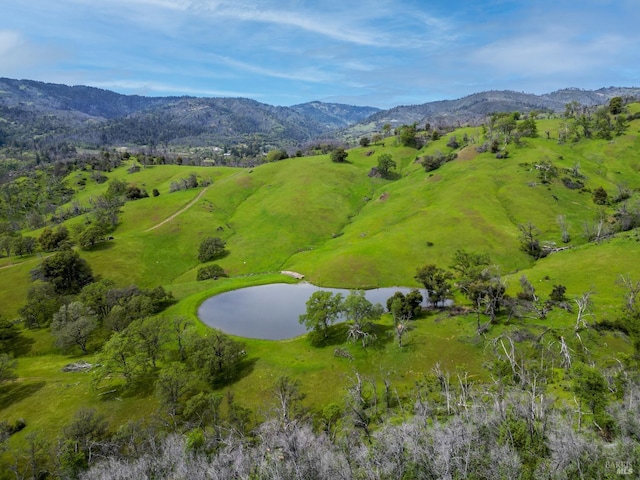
(323,309)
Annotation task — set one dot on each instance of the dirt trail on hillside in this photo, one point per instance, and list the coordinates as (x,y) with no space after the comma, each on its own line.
(9,265)
(185,208)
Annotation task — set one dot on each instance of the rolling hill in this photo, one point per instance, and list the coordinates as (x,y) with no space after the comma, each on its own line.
(341,226)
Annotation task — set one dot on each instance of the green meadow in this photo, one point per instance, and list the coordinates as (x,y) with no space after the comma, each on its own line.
(339,227)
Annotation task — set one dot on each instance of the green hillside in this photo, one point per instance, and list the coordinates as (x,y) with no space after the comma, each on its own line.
(340,227)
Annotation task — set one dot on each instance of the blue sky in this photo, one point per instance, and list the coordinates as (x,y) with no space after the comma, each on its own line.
(376,52)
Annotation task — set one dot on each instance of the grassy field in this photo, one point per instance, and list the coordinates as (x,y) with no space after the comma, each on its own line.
(341,228)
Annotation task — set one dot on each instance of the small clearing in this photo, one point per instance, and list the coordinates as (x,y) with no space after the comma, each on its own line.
(467,153)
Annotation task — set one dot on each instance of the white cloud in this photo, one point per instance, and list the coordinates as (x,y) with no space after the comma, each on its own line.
(9,41)
(142,87)
(326,19)
(316,22)
(306,75)
(549,53)
(164,4)
(18,55)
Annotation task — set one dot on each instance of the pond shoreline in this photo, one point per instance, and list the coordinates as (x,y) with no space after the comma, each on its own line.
(271,311)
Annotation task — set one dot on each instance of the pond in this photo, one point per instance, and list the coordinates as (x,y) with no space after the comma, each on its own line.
(271,311)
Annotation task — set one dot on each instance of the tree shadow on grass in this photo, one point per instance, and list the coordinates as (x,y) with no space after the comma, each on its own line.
(18,391)
(380,336)
(243,369)
(19,346)
(392,176)
(116,387)
(140,387)
(144,385)
(336,335)
(431,312)
(384,334)
(219,256)
(100,246)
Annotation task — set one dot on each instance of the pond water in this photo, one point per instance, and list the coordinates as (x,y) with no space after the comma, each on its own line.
(271,311)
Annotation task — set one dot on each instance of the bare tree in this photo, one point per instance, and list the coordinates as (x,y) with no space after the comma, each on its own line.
(464,392)
(572,455)
(401,330)
(584,305)
(564,228)
(632,290)
(360,312)
(565,353)
(445,385)
(530,302)
(32,460)
(529,241)
(360,400)
(288,398)
(598,229)
(510,355)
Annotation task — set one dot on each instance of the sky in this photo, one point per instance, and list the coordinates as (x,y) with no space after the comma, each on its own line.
(379,53)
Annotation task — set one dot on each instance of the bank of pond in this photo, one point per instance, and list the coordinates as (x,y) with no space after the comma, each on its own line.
(272,312)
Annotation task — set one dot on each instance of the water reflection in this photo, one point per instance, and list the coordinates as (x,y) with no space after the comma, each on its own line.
(271,311)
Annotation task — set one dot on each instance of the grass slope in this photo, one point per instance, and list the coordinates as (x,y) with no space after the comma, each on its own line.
(340,227)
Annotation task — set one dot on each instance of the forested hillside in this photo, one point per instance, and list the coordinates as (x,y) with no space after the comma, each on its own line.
(54,120)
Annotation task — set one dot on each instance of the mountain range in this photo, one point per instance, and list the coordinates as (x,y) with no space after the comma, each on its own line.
(34,113)
(478,105)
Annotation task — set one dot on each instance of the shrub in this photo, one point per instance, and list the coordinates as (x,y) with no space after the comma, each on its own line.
(210,271)
(557,294)
(98,177)
(210,248)
(600,196)
(133,193)
(339,155)
(453,142)
(572,184)
(9,429)
(407,136)
(435,161)
(275,155)
(482,148)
